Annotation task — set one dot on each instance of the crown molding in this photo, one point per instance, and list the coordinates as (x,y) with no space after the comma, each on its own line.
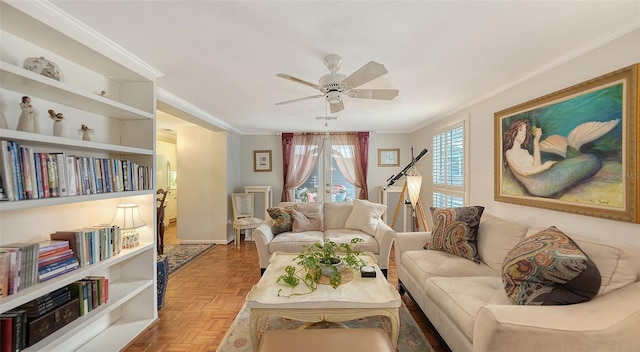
(178,107)
(46,12)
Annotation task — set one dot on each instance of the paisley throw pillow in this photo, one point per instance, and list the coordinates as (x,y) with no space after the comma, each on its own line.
(455,231)
(282,221)
(549,268)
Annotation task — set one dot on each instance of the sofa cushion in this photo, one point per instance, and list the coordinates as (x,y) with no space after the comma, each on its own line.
(282,221)
(619,265)
(364,216)
(496,237)
(549,268)
(368,244)
(461,298)
(308,217)
(336,214)
(422,265)
(455,231)
(292,242)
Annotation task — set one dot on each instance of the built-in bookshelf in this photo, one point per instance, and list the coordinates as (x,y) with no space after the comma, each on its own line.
(113,93)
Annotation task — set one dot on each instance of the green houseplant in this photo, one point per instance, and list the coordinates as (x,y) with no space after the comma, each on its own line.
(327,255)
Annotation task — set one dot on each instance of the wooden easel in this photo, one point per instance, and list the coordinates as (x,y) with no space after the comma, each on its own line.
(418,210)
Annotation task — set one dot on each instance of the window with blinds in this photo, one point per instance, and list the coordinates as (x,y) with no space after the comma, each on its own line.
(449,167)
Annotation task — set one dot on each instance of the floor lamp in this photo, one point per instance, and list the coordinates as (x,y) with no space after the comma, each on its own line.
(412,185)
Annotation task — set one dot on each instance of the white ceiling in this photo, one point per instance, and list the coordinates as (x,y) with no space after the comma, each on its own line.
(223,56)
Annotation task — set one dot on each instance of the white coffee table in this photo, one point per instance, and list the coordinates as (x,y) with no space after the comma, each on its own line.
(359,298)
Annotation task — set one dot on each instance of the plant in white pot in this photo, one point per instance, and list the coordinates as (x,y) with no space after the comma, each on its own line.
(322,258)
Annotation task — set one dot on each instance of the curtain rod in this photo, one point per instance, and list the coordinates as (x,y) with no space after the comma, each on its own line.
(325,133)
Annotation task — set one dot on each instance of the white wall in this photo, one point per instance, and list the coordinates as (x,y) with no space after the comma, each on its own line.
(251,178)
(203,206)
(234,178)
(614,55)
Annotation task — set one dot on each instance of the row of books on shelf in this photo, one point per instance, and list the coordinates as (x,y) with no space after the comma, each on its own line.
(23,265)
(29,174)
(31,322)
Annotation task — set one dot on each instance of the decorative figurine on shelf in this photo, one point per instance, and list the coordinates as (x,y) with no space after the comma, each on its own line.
(86,132)
(57,122)
(42,66)
(26,122)
(102,93)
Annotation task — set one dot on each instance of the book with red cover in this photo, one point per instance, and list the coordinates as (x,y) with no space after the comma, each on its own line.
(6,332)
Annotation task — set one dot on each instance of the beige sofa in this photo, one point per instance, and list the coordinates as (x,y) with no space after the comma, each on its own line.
(467,304)
(341,221)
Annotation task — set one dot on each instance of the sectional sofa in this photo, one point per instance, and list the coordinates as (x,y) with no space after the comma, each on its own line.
(468,304)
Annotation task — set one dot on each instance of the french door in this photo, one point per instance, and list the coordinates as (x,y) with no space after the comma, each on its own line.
(327,182)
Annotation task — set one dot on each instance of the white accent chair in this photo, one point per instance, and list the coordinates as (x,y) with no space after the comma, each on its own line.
(243,218)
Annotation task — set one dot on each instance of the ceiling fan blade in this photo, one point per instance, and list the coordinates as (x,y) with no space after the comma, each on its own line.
(300,99)
(298,80)
(335,107)
(364,74)
(382,94)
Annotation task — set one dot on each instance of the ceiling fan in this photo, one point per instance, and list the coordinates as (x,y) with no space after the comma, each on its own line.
(334,84)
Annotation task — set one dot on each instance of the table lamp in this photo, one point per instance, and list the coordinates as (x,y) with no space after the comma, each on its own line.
(128,220)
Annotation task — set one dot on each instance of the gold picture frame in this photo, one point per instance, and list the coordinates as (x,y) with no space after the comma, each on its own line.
(389,157)
(262,160)
(574,150)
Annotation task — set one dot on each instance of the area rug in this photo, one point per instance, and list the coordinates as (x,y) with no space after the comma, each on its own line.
(238,338)
(181,254)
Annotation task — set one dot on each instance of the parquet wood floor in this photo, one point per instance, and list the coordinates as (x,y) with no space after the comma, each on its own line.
(204,296)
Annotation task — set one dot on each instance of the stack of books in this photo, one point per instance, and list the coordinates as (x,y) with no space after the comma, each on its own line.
(54,259)
(48,313)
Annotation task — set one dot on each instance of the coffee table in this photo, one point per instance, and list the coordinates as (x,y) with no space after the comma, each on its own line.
(359,298)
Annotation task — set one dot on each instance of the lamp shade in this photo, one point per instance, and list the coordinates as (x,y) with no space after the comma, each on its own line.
(414,182)
(128,217)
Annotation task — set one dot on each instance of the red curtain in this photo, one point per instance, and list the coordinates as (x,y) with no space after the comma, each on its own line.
(362,149)
(287,148)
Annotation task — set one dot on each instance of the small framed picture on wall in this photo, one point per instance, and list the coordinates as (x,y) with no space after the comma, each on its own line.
(261,160)
(389,157)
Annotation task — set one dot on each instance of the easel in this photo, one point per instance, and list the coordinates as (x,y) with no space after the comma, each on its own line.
(418,211)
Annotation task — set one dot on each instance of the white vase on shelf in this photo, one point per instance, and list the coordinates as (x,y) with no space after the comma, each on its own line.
(58,127)
(58,120)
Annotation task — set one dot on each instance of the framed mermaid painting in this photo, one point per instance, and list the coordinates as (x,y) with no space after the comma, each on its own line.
(574,150)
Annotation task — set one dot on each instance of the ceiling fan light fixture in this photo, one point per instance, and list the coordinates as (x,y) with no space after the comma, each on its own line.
(334,96)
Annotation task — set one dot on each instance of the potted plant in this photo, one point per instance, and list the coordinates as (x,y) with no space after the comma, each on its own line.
(328,257)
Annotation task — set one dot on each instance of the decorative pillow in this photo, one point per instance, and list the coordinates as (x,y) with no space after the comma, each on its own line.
(549,268)
(455,231)
(308,217)
(364,216)
(282,220)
